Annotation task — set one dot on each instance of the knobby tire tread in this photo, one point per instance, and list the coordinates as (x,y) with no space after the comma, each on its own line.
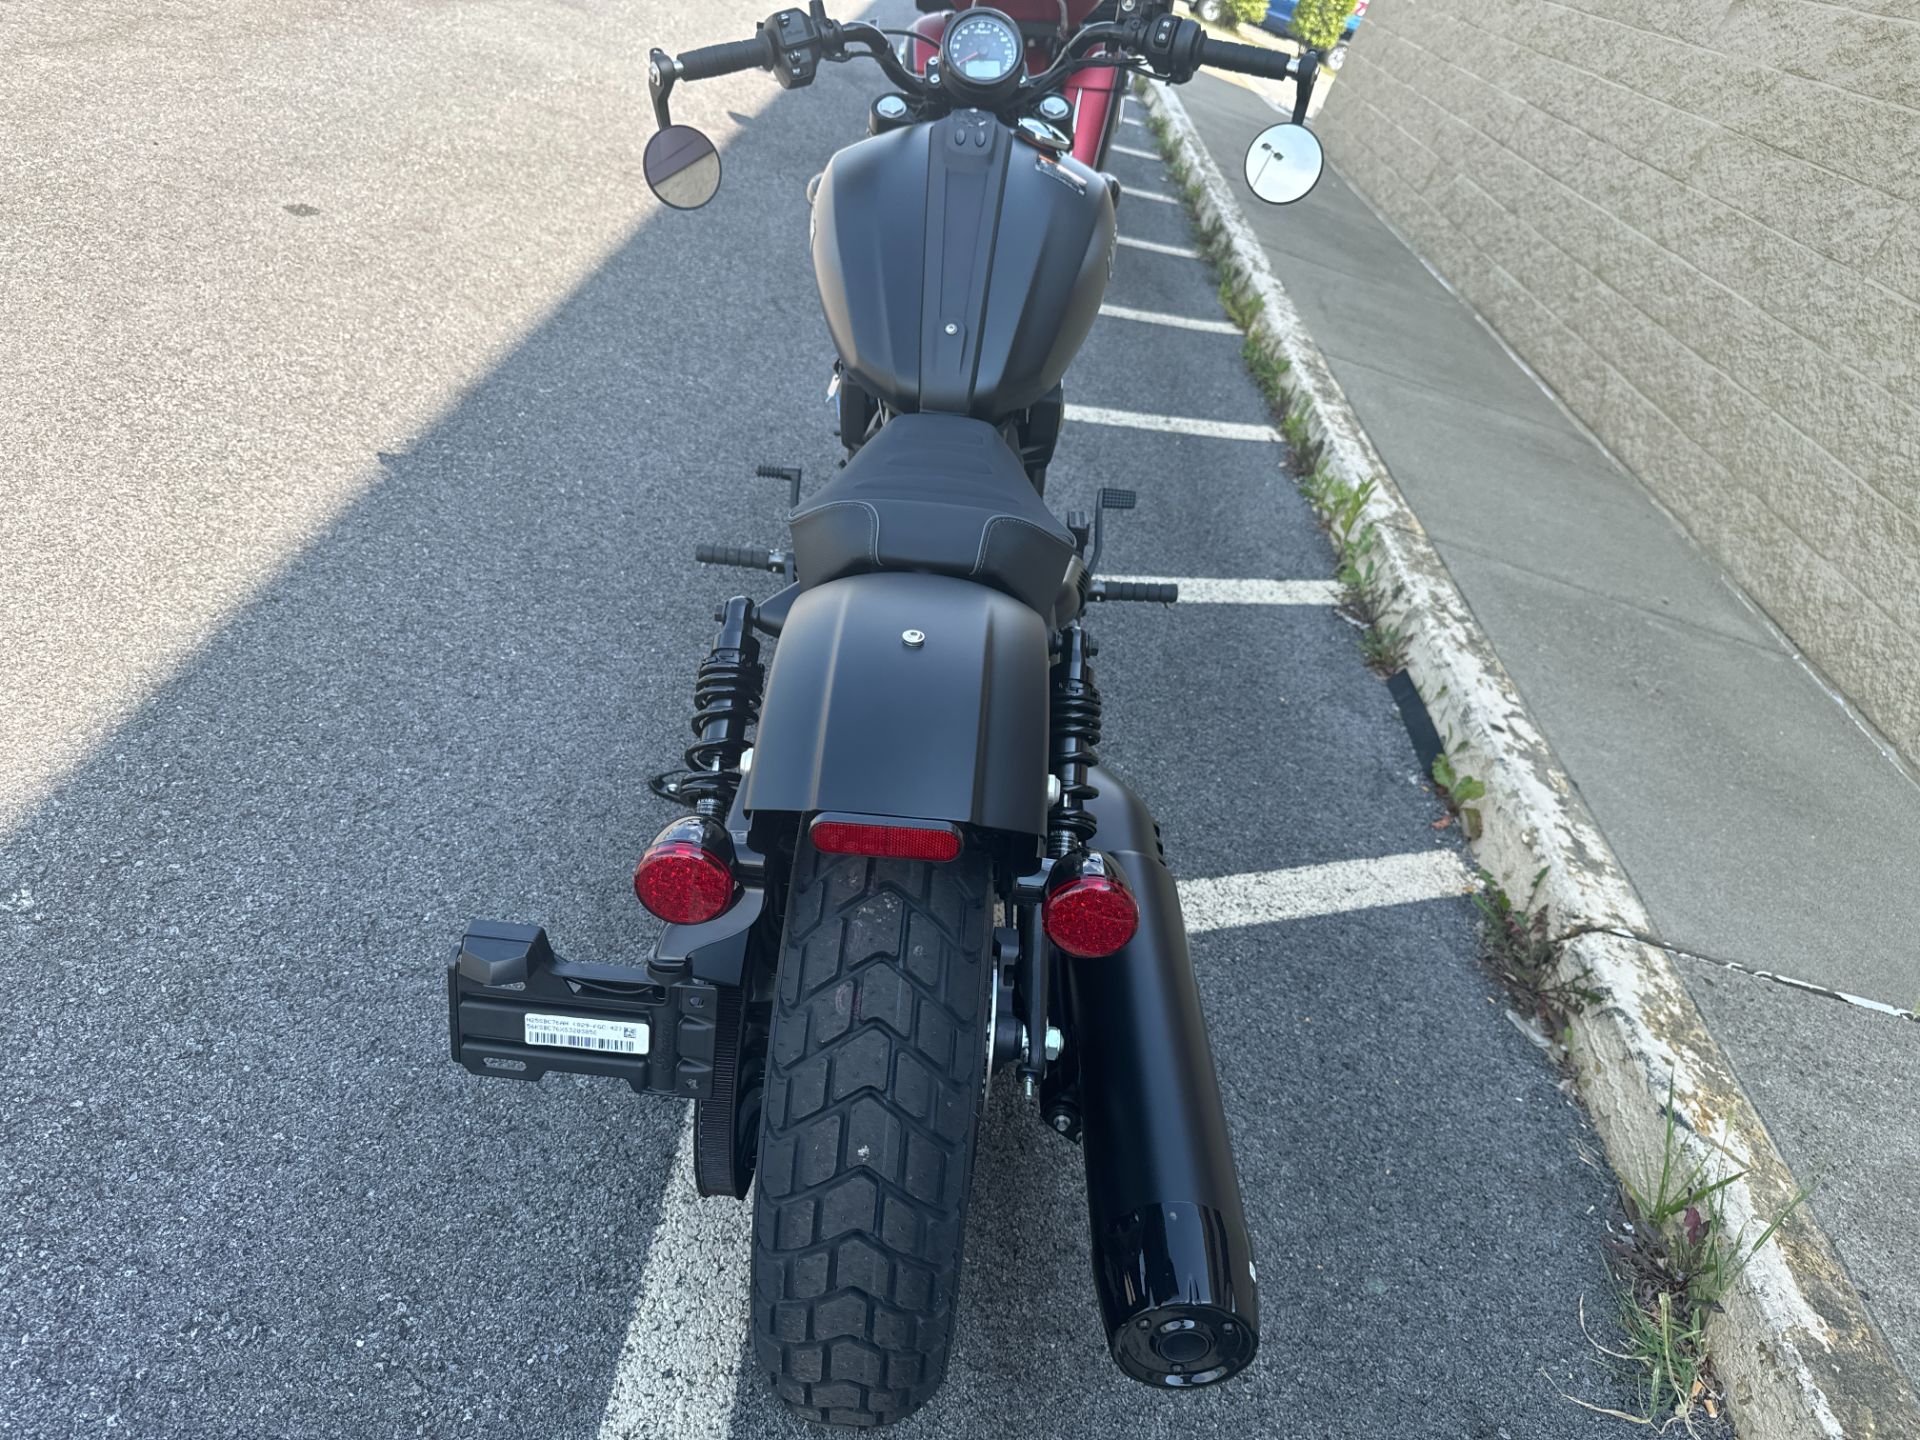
(873,1092)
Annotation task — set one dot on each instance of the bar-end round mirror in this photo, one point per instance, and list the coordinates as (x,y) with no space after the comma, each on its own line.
(1284,163)
(682,167)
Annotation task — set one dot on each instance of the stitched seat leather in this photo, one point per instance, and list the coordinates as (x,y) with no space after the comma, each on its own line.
(938,493)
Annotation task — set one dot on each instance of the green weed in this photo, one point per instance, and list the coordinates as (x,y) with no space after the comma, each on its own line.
(1674,1261)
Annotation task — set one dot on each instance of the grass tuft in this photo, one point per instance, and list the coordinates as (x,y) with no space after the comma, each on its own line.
(1524,957)
(1674,1259)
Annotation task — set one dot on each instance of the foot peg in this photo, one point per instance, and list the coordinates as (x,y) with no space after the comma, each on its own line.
(1156,591)
(1113,498)
(752,557)
(743,557)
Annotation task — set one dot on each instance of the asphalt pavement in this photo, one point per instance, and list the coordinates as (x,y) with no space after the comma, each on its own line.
(346,565)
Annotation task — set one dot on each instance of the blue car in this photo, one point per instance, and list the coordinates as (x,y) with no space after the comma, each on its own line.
(1280,21)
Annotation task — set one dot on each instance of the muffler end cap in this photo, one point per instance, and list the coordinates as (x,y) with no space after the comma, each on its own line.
(1182,1346)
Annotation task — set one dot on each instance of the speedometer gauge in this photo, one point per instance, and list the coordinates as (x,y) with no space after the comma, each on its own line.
(983,48)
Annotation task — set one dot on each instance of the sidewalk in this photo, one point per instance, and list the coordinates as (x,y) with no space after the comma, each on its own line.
(1761,825)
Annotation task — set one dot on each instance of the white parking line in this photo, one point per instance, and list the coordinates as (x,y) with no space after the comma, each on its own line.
(1183,251)
(1178,322)
(1153,195)
(681,1361)
(1229,901)
(1130,150)
(1172,424)
(1207,590)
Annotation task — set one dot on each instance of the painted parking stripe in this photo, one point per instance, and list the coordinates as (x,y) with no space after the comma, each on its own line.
(1153,195)
(1130,150)
(1208,590)
(681,1361)
(1185,252)
(1177,322)
(1172,424)
(1226,902)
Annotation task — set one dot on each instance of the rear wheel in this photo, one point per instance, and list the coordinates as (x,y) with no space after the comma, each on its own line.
(872,1099)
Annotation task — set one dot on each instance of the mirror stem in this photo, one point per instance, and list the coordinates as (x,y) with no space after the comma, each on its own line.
(1309,69)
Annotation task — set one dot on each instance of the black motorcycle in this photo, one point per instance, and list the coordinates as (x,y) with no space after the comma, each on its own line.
(903,866)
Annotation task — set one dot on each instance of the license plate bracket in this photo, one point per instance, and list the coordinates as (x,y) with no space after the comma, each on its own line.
(506,988)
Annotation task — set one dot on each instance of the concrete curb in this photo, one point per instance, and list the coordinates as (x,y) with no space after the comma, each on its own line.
(1795,1345)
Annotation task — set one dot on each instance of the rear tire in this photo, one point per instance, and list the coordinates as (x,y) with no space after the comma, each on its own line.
(873,1090)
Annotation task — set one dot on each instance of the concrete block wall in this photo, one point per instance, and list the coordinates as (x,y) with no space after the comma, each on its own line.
(1699,221)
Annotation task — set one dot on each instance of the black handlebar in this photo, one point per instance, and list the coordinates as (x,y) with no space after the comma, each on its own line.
(1269,64)
(1247,59)
(792,43)
(710,62)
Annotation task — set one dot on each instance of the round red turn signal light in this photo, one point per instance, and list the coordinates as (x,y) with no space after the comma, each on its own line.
(684,877)
(1090,917)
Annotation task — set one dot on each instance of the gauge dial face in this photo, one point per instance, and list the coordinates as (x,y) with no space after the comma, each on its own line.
(983,48)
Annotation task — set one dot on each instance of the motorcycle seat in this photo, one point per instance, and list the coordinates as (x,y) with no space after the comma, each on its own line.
(943,494)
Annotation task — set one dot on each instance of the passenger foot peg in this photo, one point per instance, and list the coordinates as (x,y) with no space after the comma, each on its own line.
(744,557)
(1152,590)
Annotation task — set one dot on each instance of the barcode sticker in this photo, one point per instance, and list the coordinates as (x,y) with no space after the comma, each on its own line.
(581,1032)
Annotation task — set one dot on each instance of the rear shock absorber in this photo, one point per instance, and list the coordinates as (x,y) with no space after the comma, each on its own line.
(1075,721)
(726,698)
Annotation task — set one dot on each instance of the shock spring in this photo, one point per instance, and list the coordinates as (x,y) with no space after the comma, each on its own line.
(1075,725)
(726,698)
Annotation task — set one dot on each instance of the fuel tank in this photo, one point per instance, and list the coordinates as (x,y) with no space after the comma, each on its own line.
(959,268)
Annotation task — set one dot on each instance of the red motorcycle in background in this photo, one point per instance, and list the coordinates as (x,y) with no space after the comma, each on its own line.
(1088,102)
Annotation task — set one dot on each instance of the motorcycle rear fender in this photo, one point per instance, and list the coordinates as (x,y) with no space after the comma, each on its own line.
(918,696)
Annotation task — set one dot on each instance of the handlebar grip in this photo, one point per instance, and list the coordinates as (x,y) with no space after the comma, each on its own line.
(1247,59)
(1155,592)
(711,61)
(745,557)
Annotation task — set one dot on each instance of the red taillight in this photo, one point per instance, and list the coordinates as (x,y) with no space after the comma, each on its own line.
(684,877)
(1091,917)
(886,842)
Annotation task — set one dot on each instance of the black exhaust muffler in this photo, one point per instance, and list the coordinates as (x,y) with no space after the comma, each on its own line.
(1172,1260)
